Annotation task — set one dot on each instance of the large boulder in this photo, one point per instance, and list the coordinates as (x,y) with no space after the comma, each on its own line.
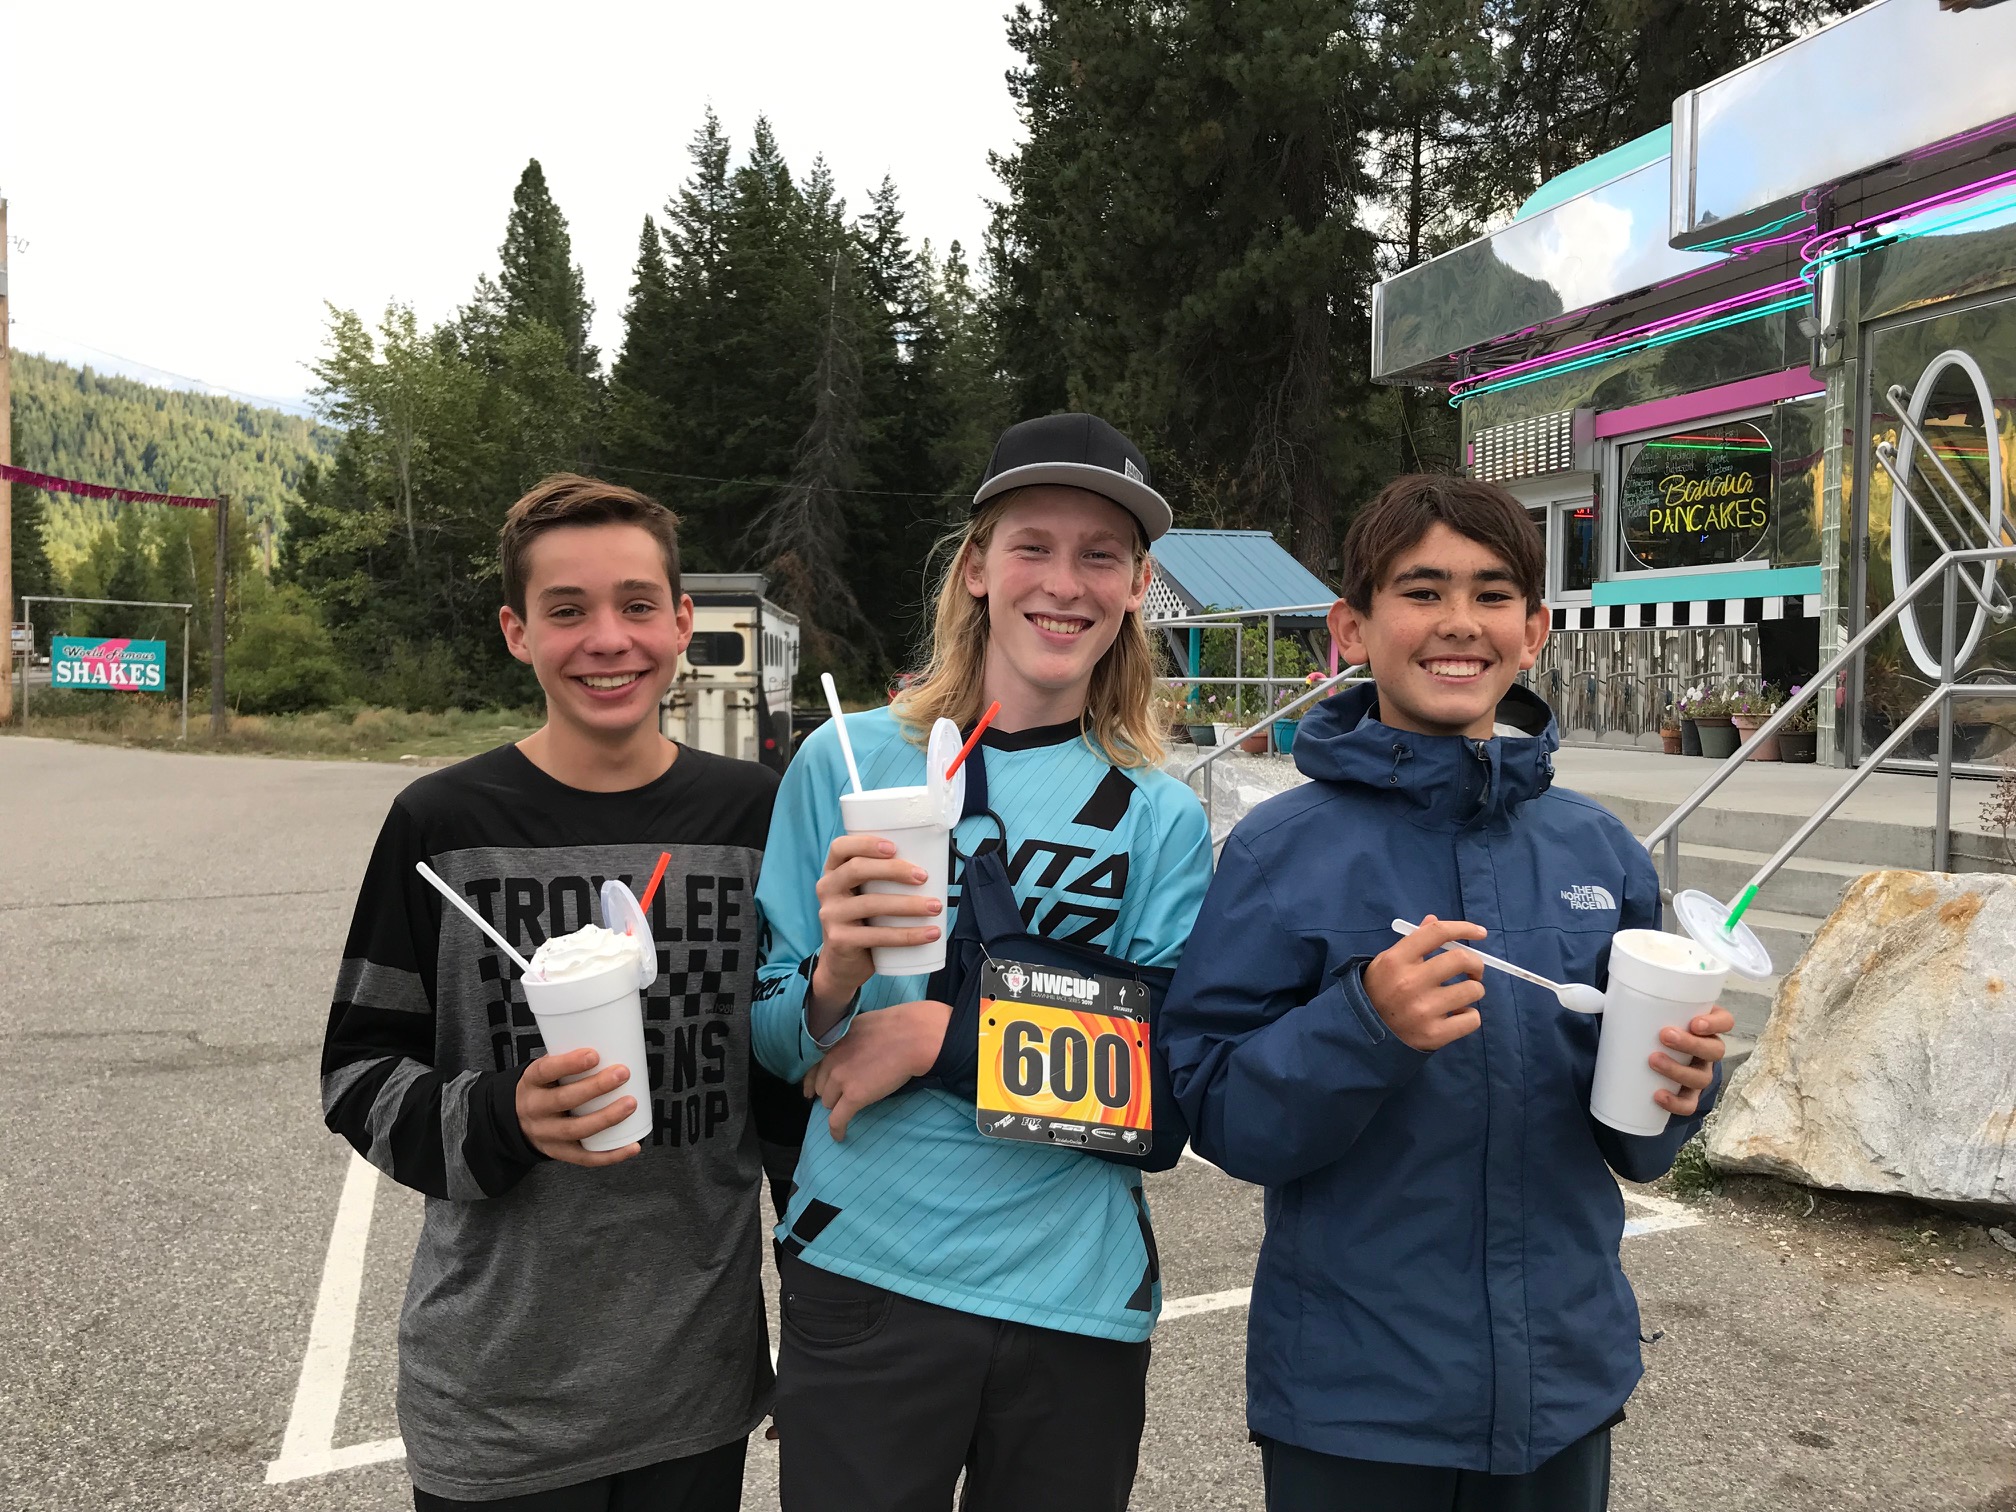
(1889,1064)
(1239,783)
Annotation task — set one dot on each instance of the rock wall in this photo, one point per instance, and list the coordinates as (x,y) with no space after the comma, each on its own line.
(1889,1064)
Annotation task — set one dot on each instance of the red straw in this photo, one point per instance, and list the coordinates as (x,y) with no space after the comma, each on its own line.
(657,876)
(973,739)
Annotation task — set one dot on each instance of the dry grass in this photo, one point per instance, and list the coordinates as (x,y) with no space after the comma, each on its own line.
(359,734)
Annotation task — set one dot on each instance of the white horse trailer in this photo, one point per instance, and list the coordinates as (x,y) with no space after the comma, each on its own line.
(733,692)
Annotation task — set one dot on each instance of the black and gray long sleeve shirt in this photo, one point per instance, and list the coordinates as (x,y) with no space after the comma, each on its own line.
(561,1323)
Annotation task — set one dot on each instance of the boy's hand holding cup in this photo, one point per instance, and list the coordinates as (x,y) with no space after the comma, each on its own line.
(1415,996)
(847,938)
(1688,1056)
(546,1102)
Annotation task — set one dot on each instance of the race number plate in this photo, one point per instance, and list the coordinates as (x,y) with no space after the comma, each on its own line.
(1064,1058)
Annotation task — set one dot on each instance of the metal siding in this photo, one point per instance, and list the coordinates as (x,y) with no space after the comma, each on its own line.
(1237,569)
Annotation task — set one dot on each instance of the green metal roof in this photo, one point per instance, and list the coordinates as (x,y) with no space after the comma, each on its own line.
(1235,569)
(1598,171)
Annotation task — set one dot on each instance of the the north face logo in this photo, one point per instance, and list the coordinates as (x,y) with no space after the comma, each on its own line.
(1586,897)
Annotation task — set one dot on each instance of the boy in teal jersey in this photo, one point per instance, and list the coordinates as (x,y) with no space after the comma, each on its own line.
(954,1302)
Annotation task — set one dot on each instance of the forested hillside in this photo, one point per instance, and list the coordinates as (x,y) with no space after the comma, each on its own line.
(76,423)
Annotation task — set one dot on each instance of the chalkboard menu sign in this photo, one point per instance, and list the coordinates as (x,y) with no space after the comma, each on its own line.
(1696,497)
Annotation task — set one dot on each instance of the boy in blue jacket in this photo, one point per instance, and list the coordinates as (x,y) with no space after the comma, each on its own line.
(1439,1319)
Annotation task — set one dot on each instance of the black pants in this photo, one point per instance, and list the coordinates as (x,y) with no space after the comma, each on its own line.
(710,1482)
(883,1400)
(1301,1480)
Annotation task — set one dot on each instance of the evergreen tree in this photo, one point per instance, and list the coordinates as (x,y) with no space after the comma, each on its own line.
(34,576)
(540,280)
(1185,217)
(801,536)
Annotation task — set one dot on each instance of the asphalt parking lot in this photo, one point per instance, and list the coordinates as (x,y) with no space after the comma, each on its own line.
(201,1285)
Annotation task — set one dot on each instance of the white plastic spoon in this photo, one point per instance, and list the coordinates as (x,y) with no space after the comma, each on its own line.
(1577,997)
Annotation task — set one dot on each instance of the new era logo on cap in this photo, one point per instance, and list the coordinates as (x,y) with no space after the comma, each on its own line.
(1076,451)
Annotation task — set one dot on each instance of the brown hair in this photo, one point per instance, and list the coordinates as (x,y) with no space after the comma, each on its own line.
(1410,506)
(570,499)
(1119,720)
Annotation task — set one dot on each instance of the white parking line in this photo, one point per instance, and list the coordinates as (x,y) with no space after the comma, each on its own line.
(309,1446)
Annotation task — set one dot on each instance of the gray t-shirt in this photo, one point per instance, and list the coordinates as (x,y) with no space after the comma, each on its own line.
(561,1324)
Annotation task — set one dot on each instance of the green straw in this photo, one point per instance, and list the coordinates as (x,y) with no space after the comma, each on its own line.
(1748,896)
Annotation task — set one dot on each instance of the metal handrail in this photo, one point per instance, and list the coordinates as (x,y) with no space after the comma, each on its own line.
(1348,678)
(1988,592)
(1947,568)
(1896,395)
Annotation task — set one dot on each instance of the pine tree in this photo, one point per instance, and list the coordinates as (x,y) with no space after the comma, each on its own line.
(1184,224)
(34,576)
(540,280)
(801,539)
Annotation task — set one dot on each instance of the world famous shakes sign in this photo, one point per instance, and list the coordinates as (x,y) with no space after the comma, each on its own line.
(110,666)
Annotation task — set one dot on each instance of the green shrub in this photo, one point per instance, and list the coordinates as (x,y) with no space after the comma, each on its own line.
(282,660)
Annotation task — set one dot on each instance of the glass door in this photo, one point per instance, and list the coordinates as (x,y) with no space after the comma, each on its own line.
(1941,392)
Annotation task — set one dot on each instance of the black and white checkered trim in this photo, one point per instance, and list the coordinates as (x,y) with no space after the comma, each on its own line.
(1742,611)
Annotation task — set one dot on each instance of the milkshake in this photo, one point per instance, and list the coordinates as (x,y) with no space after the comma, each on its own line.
(584,991)
(918,821)
(1657,981)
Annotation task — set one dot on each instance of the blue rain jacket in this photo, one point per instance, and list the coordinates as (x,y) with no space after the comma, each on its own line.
(1439,1283)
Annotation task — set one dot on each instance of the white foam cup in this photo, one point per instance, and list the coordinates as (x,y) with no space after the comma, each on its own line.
(913,819)
(1657,981)
(603,1013)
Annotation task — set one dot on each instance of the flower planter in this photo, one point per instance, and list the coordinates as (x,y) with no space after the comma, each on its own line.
(1797,745)
(1284,735)
(1746,726)
(1255,744)
(1690,738)
(1718,737)
(1669,742)
(1203,734)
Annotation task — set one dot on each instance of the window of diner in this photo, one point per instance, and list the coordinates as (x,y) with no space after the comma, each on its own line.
(1574,546)
(1699,496)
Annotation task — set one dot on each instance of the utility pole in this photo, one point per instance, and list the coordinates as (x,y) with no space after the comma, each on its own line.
(6,488)
(222,509)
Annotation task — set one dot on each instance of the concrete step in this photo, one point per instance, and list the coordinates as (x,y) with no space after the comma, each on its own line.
(1749,1003)
(1803,886)
(1874,844)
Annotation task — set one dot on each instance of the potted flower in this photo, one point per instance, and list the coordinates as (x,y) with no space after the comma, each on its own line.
(1284,729)
(1686,707)
(1669,731)
(1797,737)
(1751,708)
(1712,718)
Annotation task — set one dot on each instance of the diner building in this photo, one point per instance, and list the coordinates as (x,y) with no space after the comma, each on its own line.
(1754,372)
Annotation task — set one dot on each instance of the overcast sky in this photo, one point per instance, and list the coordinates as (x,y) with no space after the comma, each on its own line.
(192,181)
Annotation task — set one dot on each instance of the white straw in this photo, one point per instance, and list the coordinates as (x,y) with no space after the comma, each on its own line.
(840,719)
(474,917)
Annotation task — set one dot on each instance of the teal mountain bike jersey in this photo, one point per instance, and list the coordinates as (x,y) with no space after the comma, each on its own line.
(916,1200)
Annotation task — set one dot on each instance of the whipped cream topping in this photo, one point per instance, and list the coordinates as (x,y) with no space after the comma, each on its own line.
(587,952)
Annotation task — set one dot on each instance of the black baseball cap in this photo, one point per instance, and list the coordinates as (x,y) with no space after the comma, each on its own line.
(1077,451)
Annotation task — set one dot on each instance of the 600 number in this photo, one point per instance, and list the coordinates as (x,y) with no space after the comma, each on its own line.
(1073,1061)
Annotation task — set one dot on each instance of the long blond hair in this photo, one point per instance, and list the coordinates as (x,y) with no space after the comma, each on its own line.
(1119,722)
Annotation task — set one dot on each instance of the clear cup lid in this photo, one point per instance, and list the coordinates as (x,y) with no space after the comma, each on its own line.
(1739,949)
(938,753)
(621,914)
